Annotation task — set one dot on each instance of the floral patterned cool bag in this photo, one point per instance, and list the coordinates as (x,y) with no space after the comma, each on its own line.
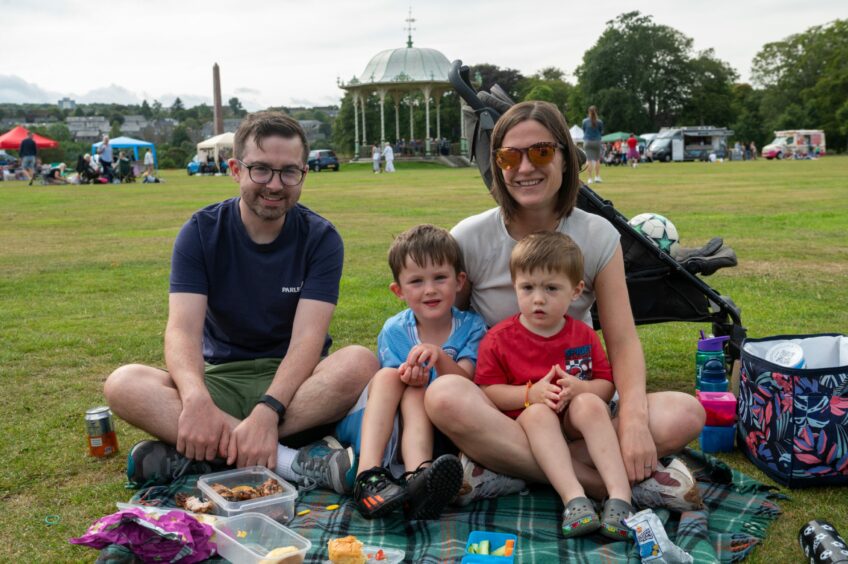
(793,421)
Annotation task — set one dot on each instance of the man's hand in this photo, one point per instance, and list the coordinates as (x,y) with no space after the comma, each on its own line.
(637,447)
(545,391)
(203,430)
(570,386)
(254,440)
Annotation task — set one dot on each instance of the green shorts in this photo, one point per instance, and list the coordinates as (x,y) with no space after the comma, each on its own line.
(235,387)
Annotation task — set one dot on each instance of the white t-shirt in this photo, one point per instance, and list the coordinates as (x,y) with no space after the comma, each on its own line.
(148,159)
(388,153)
(486,246)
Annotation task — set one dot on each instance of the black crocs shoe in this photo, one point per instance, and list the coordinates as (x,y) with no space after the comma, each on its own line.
(377,493)
(431,488)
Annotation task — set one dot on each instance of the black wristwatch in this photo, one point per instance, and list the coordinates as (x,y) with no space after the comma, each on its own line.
(276,405)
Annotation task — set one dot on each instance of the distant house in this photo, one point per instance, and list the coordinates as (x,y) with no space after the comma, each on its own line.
(230,126)
(88,128)
(312,127)
(67,104)
(133,125)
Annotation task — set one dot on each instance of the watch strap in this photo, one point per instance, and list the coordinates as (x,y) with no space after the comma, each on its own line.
(274,404)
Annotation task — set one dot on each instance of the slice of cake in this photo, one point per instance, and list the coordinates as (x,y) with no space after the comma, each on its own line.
(346,550)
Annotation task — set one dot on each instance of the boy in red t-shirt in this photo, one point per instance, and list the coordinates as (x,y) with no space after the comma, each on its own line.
(550,372)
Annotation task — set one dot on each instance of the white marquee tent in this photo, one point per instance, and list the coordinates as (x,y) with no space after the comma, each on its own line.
(215,145)
(576,134)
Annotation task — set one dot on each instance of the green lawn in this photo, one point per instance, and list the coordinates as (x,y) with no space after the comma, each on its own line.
(84,281)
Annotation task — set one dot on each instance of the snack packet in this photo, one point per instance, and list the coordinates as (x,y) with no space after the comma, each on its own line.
(652,540)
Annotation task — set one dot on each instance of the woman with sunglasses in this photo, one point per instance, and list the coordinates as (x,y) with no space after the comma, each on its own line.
(535,185)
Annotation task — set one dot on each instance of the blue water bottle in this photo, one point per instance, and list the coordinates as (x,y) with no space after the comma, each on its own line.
(713,376)
(709,348)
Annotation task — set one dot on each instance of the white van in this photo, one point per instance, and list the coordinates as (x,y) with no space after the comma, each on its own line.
(801,142)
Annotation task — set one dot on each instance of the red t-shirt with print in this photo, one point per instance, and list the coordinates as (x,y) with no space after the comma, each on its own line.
(512,354)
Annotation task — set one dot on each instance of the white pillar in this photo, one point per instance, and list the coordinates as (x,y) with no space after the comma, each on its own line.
(396,97)
(426,91)
(411,130)
(355,125)
(382,94)
(438,116)
(364,142)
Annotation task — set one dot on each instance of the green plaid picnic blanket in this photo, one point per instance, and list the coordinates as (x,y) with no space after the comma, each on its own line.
(736,517)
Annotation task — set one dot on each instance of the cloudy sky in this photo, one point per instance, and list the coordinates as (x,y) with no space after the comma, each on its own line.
(290,52)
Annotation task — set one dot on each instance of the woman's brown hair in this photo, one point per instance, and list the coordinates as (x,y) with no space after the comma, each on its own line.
(550,117)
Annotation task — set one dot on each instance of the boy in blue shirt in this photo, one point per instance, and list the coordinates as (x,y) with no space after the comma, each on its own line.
(426,340)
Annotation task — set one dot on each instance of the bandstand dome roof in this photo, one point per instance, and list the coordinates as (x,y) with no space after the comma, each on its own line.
(406,64)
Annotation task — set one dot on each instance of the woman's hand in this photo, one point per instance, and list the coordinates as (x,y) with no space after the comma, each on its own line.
(545,391)
(637,447)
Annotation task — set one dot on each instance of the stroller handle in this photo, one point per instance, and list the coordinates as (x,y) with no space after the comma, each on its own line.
(458,76)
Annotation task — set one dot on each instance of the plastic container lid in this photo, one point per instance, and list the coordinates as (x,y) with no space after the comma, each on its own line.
(713,343)
(250,538)
(713,371)
(279,507)
(789,355)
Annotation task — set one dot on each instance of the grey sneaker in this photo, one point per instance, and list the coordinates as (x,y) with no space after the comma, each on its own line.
(325,464)
(672,487)
(481,483)
(155,463)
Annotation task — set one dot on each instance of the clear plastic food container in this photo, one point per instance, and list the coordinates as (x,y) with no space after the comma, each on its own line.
(254,538)
(279,507)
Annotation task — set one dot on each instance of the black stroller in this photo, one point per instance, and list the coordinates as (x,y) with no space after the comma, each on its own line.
(661,287)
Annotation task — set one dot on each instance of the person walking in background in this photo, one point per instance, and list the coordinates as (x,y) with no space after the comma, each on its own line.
(105,152)
(593,130)
(375,158)
(389,155)
(632,151)
(28,151)
(753,148)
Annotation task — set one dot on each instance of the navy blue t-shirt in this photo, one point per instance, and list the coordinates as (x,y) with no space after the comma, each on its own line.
(253,290)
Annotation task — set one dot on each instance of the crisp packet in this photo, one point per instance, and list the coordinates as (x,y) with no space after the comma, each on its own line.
(653,542)
(174,536)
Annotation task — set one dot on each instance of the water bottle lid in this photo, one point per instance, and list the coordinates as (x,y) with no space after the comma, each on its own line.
(713,371)
(712,344)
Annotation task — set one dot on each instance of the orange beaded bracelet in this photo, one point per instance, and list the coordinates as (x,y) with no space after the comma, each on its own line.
(527,394)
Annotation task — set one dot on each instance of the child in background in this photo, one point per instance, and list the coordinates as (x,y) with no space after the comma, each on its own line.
(428,339)
(550,372)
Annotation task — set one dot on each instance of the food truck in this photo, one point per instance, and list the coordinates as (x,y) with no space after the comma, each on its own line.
(799,143)
(689,144)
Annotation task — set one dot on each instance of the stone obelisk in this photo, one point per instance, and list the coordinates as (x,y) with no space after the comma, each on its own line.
(216,95)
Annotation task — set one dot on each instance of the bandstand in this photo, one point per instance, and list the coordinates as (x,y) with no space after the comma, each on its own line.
(398,76)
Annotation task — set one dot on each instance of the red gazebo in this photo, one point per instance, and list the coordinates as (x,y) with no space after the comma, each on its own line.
(12,139)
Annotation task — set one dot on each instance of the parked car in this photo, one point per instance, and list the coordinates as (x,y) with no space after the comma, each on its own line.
(8,160)
(322,158)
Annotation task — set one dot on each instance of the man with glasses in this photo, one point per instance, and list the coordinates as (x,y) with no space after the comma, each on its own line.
(254,282)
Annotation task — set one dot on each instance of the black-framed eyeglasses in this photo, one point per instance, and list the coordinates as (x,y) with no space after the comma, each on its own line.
(539,154)
(263,174)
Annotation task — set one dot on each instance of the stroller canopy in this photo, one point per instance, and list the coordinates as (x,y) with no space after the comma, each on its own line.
(12,139)
(129,143)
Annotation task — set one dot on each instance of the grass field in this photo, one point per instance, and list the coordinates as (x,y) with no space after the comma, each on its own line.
(84,281)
